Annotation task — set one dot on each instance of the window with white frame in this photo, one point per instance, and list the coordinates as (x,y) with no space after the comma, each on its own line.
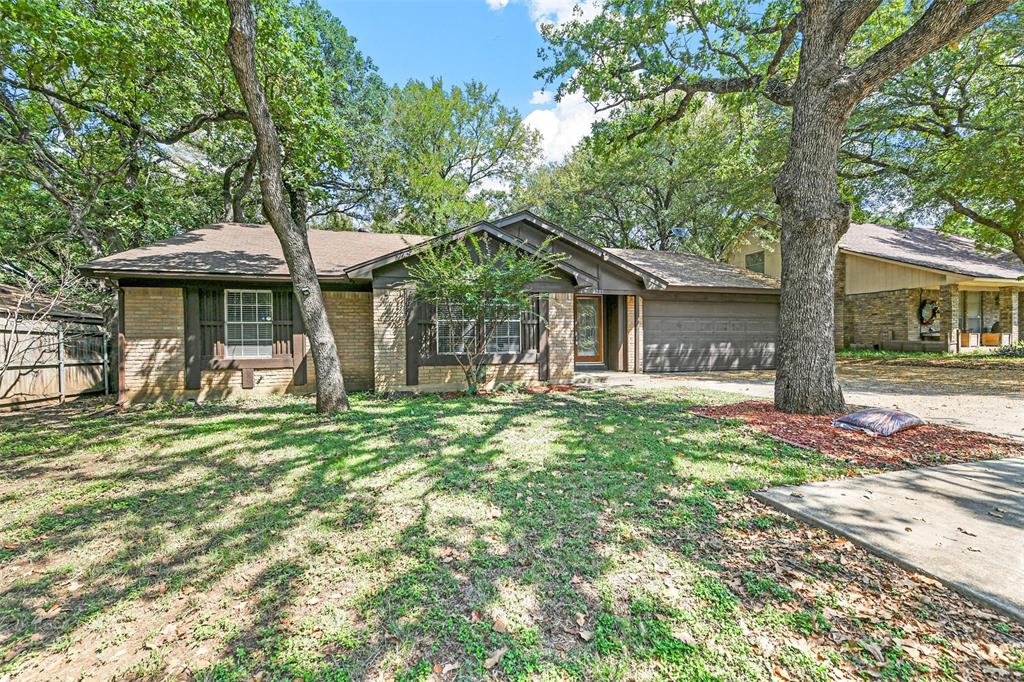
(455,330)
(248,323)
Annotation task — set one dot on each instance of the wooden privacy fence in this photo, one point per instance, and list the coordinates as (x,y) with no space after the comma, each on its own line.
(52,359)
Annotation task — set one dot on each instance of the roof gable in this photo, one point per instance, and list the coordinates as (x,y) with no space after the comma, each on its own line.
(365,270)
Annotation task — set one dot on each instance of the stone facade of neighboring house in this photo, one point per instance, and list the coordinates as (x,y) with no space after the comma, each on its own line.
(211,313)
(912,290)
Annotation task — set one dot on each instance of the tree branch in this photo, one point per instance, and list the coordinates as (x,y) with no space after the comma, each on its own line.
(943,22)
(197,122)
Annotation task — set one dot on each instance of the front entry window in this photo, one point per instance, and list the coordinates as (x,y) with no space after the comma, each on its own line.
(588,328)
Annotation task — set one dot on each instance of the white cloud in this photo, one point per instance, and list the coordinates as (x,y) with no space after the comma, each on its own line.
(561,11)
(540,97)
(553,11)
(568,121)
(563,125)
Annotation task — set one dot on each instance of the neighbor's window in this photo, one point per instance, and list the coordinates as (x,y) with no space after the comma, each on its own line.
(454,328)
(755,262)
(249,323)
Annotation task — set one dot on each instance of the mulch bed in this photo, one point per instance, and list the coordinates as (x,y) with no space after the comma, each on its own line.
(919,446)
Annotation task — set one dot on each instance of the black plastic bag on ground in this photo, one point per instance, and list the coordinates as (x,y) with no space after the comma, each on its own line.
(878,421)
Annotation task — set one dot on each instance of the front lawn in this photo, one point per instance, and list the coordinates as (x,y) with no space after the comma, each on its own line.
(595,535)
(980,360)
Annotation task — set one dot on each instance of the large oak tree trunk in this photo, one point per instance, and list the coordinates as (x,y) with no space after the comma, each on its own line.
(813,219)
(330,386)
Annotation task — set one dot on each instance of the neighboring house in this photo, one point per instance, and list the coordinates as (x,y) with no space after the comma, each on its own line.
(48,352)
(914,290)
(211,313)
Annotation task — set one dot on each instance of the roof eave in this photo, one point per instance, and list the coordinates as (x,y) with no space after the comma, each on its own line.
(119,274)
(724,290)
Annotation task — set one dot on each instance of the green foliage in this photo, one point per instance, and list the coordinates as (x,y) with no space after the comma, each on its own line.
(1015,350)
(941,144)
(709,175)
(121,122)
(487,280)
(454,153)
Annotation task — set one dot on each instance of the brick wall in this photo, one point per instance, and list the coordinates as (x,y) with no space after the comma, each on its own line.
(155,353)
(872,318)
(561,338)
(351,317)
(1009,313)
(389,310)
(841,325)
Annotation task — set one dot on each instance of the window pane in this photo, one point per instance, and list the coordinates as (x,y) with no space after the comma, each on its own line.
(249,329)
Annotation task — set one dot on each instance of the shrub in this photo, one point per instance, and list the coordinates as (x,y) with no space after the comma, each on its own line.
(1013,350)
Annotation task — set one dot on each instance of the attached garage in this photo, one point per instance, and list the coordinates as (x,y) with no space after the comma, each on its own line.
(696,333)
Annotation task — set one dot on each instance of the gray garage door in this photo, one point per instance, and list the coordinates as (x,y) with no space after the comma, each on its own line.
(697,335)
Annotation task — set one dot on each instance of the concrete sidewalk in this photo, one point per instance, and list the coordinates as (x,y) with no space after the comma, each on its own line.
(962,524)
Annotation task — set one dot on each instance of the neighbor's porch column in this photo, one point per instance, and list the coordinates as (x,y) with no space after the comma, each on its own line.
(949,315)
(1009,313)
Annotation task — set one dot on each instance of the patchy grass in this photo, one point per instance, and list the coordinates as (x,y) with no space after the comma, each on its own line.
(960,360)
(596,535)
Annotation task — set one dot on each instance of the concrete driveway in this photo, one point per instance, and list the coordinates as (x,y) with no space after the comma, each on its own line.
(989,400)
(962,524)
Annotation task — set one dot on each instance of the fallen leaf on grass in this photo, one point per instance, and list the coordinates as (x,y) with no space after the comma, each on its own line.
(43,614)
(493,659)
(586,635)
(874,650)
(500,625)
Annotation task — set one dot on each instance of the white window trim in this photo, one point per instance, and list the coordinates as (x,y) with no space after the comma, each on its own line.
(227,354)
(518,320)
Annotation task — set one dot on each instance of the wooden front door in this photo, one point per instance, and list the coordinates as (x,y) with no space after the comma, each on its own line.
(589,329)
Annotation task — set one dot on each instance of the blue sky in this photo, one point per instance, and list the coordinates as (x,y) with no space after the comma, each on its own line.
(493,41)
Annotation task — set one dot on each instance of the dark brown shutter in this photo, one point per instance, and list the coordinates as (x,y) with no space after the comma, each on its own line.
(530,326)
(420,338)
(211,324)
(543,364)
(426,321)
(282,324)
(193,339)
(298,343)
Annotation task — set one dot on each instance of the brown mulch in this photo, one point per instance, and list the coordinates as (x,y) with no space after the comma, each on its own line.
(919,446)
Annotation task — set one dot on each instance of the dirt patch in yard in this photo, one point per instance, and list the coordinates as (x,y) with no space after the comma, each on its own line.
(920,446)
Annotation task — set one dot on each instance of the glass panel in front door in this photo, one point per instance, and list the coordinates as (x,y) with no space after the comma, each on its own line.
(586,327)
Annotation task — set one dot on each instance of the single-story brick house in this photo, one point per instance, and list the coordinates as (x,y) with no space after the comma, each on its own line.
(912,290)
(211,313)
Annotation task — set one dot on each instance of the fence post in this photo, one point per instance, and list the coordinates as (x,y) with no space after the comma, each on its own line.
(106,363)
(60,361)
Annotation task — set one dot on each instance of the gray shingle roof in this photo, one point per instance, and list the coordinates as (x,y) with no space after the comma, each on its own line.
(689,270)
(248,250)
(930,249)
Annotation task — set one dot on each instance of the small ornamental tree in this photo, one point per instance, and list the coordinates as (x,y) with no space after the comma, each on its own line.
(478,288)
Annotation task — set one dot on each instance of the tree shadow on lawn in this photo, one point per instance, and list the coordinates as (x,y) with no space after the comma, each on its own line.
(582,534)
